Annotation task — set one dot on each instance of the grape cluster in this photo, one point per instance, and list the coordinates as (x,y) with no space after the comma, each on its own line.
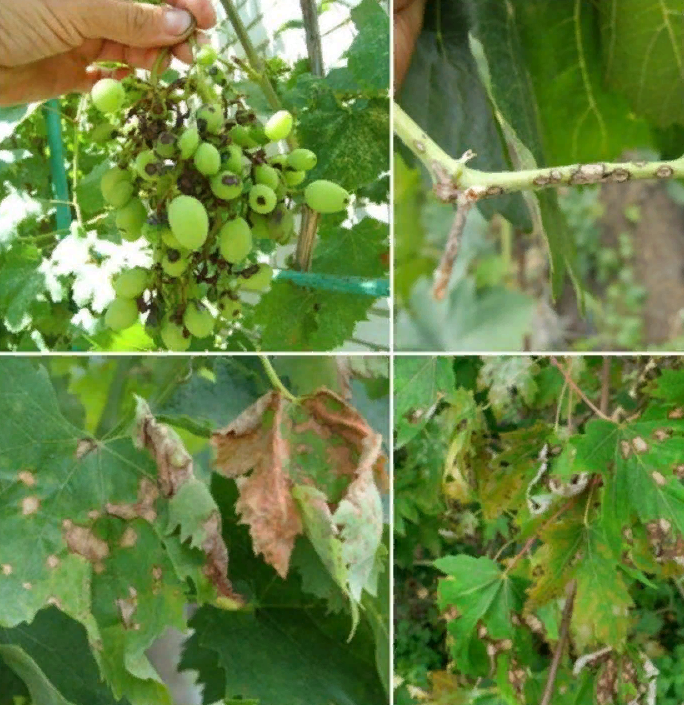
(198,177)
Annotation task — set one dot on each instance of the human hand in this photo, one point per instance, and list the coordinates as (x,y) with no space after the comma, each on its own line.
(47,46)
(408,21)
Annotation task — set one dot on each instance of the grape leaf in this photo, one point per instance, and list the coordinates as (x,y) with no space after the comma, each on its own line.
(87,520)
(298,319)
(281,653)
(419,383)
(368,58)
(480,591)
(581,120)
(494,319)
(306,458)
(644,59)
(444,95)
(505,376)
(359,251)
(351,141)
(59,646)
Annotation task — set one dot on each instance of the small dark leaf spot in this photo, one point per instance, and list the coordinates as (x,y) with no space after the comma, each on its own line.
(7,569)
(27,477)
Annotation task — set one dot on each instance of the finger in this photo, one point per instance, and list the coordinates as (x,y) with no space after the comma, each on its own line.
(137,24)
(183,52)
(407,26)
(44,79)
(202,10)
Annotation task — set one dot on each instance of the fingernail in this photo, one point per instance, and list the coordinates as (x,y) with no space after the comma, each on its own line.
(177,22)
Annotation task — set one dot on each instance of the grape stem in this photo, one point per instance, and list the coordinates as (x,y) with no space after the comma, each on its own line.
(454,182)
(251,54)
(275,380)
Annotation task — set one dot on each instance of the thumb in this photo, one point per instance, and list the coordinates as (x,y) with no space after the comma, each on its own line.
(137,24)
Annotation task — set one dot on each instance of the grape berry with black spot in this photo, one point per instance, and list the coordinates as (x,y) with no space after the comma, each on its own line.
(197,175)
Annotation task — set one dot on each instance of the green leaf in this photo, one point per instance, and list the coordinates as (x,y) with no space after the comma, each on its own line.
(368,58)
(42,692)
(351,140)
(419,383)
(444,95)
(505,376)
(480,591)
(58,647)
(495,319)
(281,653)
(359,251)
(298,319)
(644,56)
(581,120)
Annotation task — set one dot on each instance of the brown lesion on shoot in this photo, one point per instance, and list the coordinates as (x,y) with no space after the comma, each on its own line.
(665,171)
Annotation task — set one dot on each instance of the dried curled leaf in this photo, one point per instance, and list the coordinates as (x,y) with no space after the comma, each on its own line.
(309,466)
(191,506)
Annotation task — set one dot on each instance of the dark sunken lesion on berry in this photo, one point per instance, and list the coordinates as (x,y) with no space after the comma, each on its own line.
(173,255)
(230,181)
(261,200)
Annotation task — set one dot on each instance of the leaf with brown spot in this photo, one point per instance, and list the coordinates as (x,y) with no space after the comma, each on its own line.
(191,506)
(315,466)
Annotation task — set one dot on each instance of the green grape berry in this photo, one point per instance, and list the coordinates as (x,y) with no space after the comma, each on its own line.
(259,226)
(169,239)
(240,136)
(262,199)
(207,55)
(108,95)
(131,283)
(207,159)
(281,225)
(151,233)
(302,160)
(174,337)
(278,161)
(212,116)
(198,319)
(326,197)
(117,187)
(103,133)
(293,178)
(258,134)
(235,161)
(147,165)
(166,145)
(279,125)
(130,219)
(121,314)
(267,175)
(188,142)
(174,263)
(260,281)
(189,221)
(229,306)
(235,240)
(226,185)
